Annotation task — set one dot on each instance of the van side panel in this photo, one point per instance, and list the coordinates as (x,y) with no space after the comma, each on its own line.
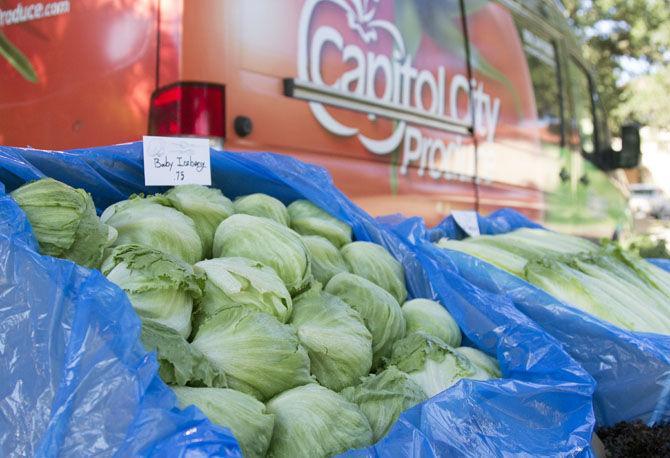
(252,47)
(170,41)
(95,69)
(521,161)
(377,92)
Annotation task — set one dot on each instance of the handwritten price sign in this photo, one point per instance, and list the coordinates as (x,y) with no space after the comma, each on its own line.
(173,161)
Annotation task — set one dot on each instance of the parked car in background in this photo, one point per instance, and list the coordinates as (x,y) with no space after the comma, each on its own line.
(414,106)
(646,200)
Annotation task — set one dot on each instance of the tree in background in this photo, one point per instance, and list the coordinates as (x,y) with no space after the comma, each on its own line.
(647,99)
(625,39)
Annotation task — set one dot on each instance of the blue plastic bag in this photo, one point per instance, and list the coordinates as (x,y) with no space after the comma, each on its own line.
(632,369)
(75,378)
(541,408)
(662,263)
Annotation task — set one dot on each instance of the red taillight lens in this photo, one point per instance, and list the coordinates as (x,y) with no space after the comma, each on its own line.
(187,108)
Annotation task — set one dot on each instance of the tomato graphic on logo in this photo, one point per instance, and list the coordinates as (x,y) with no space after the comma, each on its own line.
(357,87)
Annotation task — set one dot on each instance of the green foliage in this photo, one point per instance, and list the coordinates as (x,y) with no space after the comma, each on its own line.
(646,99)
(646,246)
(616,30)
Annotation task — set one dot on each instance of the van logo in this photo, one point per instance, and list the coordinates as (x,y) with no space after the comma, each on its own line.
(380,84)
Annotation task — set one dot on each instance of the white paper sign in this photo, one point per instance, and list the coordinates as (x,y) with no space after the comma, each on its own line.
(467,220)
(173,161)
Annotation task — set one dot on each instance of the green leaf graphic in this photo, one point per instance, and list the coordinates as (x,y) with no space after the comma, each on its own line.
(17,59)
(472,6)
(409,24)
(393,177)
(440,19)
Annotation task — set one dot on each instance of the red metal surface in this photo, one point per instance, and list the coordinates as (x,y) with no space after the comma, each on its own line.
(98,64)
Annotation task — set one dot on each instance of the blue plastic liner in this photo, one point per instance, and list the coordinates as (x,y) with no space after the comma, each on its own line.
(632,369)
(74,378)
(499,222)
(87,347)
(662,263)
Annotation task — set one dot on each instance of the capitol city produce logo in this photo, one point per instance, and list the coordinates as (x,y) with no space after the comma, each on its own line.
(400,97)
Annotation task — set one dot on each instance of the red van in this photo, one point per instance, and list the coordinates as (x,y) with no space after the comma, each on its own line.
(414,106)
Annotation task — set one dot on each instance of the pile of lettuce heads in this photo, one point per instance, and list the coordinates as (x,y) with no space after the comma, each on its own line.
(267,317)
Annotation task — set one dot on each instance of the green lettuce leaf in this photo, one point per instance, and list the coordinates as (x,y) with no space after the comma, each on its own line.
(160,287)
(337,342)
(503,259)
(601,285)
(313,422)
(430,317)
(147,222)
(531,243)
(242,282)
(379,309)
(180,363)
(259,355)
(64,221)
(383,397)
(308,219)
(326,258)
(207,207)
(263,206)
(267,242)
(373,262)
(432,364)
(480,359)
(246,417)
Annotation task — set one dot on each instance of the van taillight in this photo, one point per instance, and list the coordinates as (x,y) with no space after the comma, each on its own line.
(188,108)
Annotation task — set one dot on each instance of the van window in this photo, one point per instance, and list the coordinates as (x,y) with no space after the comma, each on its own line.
(580,88)
(544,74)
